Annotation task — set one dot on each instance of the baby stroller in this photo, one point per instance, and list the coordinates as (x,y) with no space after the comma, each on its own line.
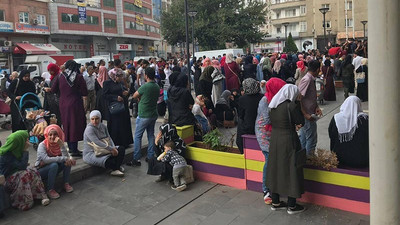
(33,115)
(319,83)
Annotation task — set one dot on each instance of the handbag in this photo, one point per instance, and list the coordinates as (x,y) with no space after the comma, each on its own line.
(101,151)
(8,99)
(228,123)
(360,77)
(116,107)
(300,155)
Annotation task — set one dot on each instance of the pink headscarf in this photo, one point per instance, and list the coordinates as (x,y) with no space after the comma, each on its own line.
(206,62)
(300,64)
(215,63)
(53,149)
(102,75)
(283,56)
(301,57)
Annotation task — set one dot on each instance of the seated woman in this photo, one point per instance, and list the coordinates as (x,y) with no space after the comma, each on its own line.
(199,115)
(23,183)
(167,133)
(52,158)
(97,139)
(348,132)
(223,108)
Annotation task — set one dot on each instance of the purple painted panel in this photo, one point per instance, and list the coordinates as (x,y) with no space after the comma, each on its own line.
(250,142)
(337,191)
(348,170)
(254,186)
(217,169)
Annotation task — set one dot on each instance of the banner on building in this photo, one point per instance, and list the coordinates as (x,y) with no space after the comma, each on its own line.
(28,28)
(138,3)
(124,47)
(139,19)
(6,27)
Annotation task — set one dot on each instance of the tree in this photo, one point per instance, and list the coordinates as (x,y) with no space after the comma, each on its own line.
(290,46)
(216,22)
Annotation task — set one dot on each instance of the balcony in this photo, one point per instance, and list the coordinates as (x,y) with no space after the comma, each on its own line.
(89,3)
(286,4)
(293,19)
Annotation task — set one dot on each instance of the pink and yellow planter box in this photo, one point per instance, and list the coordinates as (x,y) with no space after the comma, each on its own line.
(344,189)
(186,133)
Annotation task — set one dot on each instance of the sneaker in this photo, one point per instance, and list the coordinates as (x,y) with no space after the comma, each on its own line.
(68,188)
(267,198)
(160,178)
(53,194)
(117,173)
(122,169)
(179,188)
(280,206)
(295,210)
(45,201)
(134,163)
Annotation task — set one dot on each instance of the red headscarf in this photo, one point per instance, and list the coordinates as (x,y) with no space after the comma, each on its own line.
(283,56)
(272,87)
(53,149)
(54,68)
(300,64)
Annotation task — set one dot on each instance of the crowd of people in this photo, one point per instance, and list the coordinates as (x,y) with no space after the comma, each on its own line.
(271,95)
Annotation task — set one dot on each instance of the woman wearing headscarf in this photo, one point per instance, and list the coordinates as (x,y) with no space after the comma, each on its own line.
(16,90)
(167,133)
(362,88)
(232,73)
(52,158)
(206,63)
(284,177)
(347,75)
(247,111)
(197,111)
(218,81)
(267,68)
(348,132)
(96,134)
(205,83)
(250,69)
(328,71)
(223,109)
(300,71)
(71,87)
(119,123)
(263,127)
(277,70)
(22,182)
(180,102)
(100,101)
(52,100)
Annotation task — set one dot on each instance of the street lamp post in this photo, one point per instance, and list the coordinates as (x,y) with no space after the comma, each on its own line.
(109,47)
(278,40)
(285,25)
(329,35)
(364,22)
(187,38)
(323,11)
(193,13)
(157,49)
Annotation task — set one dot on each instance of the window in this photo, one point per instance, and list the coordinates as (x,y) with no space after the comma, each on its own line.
(24,17)
(278,30)
(303,26)
(41,19)
(109,22)
(94,20)
(349,5)
(2,15)
(74,18)
(303,10)
(132,7)
(278,15)
(326,6)
(290,13)
(328,24)
(349,23)
(109,3)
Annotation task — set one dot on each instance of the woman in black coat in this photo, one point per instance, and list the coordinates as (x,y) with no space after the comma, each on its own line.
(249,68)
(16,90)
(205,83)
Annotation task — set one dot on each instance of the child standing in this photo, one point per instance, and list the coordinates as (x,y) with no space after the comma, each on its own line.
(177,162)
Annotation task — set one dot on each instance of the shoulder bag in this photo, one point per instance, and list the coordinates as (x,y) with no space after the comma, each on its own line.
(8,99)
(228,123)
(360,77)
(116,107)
(101,151)
(300,156)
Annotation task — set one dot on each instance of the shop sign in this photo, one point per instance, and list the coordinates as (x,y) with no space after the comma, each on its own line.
(75,47)
(6,27)
(124,47)
(138,3)
(32,29)
(139,19)
(4,49)
(140,47)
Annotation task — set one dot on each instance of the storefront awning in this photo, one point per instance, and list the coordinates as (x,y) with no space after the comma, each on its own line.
(36,49)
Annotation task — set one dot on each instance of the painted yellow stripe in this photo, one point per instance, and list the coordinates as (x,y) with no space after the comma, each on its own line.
(215,157)
(340,179)
(185,131)
(254,165)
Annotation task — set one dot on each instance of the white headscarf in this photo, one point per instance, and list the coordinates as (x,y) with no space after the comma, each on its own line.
(95,113)
(357,62)
(287,92)
(346,119)
(229,58)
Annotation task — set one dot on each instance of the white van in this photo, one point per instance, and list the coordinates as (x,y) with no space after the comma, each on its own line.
(216,53)
(95,59)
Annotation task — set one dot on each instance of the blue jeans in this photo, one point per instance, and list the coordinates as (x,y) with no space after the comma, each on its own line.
(50,172)
(308,136)
(143,124)
(264,186)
